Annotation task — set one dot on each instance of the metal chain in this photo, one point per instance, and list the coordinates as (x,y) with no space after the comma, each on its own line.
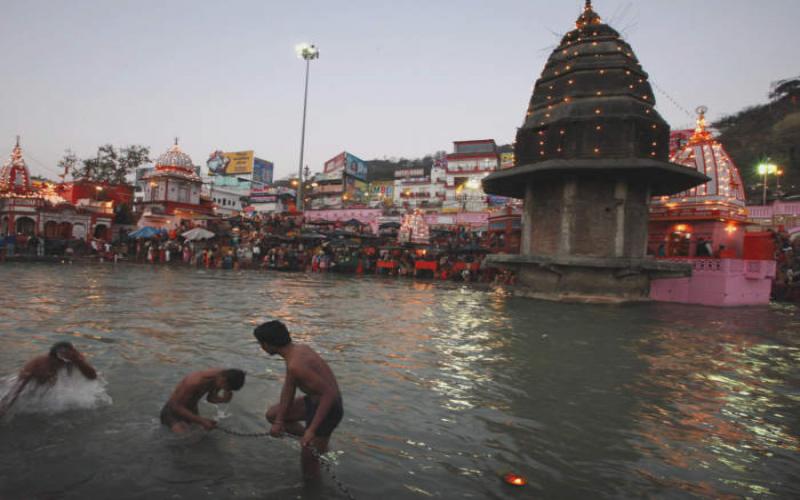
(326,464)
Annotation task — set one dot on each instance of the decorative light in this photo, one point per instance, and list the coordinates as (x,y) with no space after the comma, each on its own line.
(515,479)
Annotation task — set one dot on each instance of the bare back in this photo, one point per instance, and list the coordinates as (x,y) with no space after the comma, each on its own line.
(192,388)
(311,373)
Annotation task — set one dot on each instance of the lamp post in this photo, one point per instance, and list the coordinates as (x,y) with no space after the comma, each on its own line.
(766,169)
(307,52)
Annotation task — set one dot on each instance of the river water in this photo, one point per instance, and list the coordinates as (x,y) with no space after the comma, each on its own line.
(446,387)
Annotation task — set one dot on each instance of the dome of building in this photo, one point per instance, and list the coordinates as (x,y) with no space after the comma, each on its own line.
(592,109)
(706,155)
(14,176)
(176,162)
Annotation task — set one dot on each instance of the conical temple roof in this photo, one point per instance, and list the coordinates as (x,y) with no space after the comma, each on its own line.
(14,176)
(592,109)
(706,155)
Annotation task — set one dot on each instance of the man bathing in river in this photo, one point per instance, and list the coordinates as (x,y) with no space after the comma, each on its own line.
(181,409)
(43,370)
(321,408)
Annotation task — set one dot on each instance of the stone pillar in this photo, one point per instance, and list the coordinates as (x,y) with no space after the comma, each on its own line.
(620,198)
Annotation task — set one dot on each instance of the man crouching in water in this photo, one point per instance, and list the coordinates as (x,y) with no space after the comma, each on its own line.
(43,370)
(181,409)
(321,408)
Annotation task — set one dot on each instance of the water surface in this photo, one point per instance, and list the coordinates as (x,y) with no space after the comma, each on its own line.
(445,388)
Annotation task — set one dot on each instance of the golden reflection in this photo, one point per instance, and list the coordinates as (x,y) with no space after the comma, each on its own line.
(714,403)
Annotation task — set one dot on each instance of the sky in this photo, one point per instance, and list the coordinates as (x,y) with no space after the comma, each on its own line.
(394,78)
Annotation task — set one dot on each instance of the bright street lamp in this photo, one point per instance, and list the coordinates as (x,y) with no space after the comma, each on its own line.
(308,52)
(766,169)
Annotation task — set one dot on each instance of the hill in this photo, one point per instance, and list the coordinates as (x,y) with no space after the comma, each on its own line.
(766,132)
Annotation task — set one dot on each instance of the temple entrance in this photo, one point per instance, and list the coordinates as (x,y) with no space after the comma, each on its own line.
(678,244)
(51,230)
(100,232)
(26,226)
(65,230)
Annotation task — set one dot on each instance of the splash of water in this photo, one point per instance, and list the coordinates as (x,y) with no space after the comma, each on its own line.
(70,391)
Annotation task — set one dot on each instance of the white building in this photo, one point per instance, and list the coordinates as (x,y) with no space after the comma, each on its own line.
(469,163)
(422,187)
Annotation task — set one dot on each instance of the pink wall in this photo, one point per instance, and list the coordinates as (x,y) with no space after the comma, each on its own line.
(718,282)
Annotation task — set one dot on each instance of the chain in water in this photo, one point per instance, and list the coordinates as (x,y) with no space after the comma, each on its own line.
(322,460)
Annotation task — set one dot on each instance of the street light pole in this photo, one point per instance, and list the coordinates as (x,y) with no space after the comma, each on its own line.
(307,52)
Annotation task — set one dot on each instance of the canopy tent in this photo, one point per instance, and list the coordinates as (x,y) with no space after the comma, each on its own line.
(197,233)
(354,222)
(146,233)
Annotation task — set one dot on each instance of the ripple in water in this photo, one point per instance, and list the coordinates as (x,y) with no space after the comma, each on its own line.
(70,391)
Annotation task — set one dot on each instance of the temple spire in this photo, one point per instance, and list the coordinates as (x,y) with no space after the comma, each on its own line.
(17,141)
(176,140)
(588,17)
(701,134)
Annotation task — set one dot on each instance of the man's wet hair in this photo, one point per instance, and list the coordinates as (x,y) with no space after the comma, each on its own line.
(234,377)
(272,333)
(60,346)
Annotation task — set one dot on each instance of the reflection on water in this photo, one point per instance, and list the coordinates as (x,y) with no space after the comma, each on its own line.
(447,387)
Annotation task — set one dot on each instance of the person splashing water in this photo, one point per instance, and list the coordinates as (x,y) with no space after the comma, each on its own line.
(54,369)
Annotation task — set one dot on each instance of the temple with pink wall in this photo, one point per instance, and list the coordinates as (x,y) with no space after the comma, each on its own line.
(704,227)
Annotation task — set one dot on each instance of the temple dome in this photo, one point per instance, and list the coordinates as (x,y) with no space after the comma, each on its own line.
(175,158)
(14,176)
(175,162)
(706,155)
(592,109)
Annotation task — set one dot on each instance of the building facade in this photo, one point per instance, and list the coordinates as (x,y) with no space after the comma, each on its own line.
(467,166)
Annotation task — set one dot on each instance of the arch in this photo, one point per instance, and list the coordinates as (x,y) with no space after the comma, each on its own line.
(79,231)
(65,230)
(51,229)
(794,233)
(26,226)
(4,226)
(100,231)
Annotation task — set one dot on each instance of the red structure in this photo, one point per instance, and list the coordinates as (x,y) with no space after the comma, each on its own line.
(172,196)
(709,213)
(505,230)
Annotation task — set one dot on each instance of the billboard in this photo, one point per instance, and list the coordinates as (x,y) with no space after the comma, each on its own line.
(336,163)
(236,163)
(355,166)
(506,160)
(262,171)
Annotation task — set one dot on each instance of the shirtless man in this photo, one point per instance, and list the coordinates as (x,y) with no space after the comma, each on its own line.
(321,408)
(43,370)
(181,409)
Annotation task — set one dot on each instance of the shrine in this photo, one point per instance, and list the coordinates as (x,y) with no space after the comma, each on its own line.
(590,154)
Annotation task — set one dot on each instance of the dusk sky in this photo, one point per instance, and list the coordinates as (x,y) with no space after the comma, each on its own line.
(393,79)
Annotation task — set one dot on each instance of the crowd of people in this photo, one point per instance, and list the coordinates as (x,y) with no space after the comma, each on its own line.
(283,243)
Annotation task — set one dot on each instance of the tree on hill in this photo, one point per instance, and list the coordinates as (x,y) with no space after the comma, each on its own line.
(766,132)
(109,165)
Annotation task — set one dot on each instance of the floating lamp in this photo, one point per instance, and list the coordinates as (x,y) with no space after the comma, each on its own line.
(515,479)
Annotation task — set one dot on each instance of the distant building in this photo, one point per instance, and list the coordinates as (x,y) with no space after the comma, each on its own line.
(469,163)
(173,193)
(27,210)
(342,184)
(421,187)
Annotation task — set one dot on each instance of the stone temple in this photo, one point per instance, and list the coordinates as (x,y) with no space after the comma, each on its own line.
(591,153)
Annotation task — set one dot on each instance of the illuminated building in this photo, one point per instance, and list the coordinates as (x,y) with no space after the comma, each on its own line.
(27,210)
(467,166)
(590,153)
(173,193)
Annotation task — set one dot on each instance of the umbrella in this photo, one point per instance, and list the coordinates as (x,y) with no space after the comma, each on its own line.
(146,232)
(354,222)
(198,233)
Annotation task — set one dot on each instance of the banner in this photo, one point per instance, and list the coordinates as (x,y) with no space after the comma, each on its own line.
(262,171)
(336,163)
(355,166)
(236,163)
